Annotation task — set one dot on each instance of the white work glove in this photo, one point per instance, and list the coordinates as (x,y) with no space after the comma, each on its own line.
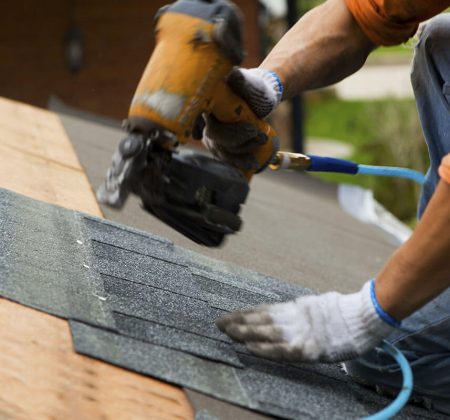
(332,327)
(236,143)
(261,89)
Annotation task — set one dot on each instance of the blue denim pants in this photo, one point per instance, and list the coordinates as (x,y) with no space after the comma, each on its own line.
(424,337)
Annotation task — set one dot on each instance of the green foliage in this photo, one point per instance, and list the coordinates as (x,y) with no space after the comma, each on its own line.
(304,5)
(385,132)
(404,50)
(397,141)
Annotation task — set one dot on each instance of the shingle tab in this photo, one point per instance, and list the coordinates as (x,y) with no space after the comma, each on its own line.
(173,366)
(173,338)
(171,309)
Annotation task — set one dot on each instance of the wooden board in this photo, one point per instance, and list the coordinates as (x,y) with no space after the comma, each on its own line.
(41,376)
(38,160)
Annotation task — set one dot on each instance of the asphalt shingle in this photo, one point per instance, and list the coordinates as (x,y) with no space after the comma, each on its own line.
(177,367)
(174,338)
(138,301)
(45,263)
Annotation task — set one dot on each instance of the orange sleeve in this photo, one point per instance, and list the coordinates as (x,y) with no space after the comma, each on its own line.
(391,22)
(444,169)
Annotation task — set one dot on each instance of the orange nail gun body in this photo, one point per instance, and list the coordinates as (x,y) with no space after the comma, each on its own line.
(197,44)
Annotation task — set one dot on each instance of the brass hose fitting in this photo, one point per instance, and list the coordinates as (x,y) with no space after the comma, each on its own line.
(288,160)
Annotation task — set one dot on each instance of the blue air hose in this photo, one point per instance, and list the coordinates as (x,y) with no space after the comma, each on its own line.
(402,398)
(326,164)
(392,171)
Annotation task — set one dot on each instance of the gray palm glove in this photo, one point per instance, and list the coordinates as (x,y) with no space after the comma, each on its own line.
(329,328)
(236,143)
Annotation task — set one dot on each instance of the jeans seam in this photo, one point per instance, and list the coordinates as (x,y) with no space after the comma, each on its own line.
(445,318)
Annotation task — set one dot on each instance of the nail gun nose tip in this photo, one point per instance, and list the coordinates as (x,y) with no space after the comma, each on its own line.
(130,146)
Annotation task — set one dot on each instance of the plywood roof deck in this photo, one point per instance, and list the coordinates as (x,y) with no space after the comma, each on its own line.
(42,376)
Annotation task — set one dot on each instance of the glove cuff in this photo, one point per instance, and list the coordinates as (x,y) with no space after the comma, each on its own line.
(273,81)
(363,320)
(261,88)
(389,319)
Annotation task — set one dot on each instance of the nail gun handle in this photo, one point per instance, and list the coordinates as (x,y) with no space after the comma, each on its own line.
(230,108)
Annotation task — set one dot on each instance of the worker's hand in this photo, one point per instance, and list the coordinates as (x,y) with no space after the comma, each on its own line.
(237,143)
(328,328)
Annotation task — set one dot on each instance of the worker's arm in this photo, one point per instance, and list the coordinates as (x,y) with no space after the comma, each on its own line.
(420,269)
(333,326)
(333,40)
(323,47)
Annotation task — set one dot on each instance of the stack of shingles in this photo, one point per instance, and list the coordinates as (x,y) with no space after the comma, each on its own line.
(137,301)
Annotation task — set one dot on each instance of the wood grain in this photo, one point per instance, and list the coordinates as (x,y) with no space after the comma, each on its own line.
(38,160)
(41,377)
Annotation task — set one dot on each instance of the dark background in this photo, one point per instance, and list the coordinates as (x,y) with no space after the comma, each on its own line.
(116,38)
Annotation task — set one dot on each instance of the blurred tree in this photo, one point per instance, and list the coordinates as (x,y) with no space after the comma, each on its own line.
(397,141)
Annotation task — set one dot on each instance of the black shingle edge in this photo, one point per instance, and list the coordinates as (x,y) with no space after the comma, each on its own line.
(127,229)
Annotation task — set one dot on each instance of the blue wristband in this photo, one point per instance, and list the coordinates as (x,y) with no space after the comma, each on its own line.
(379,310)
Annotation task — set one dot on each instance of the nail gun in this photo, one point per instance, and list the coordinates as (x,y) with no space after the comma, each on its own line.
(197,44)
